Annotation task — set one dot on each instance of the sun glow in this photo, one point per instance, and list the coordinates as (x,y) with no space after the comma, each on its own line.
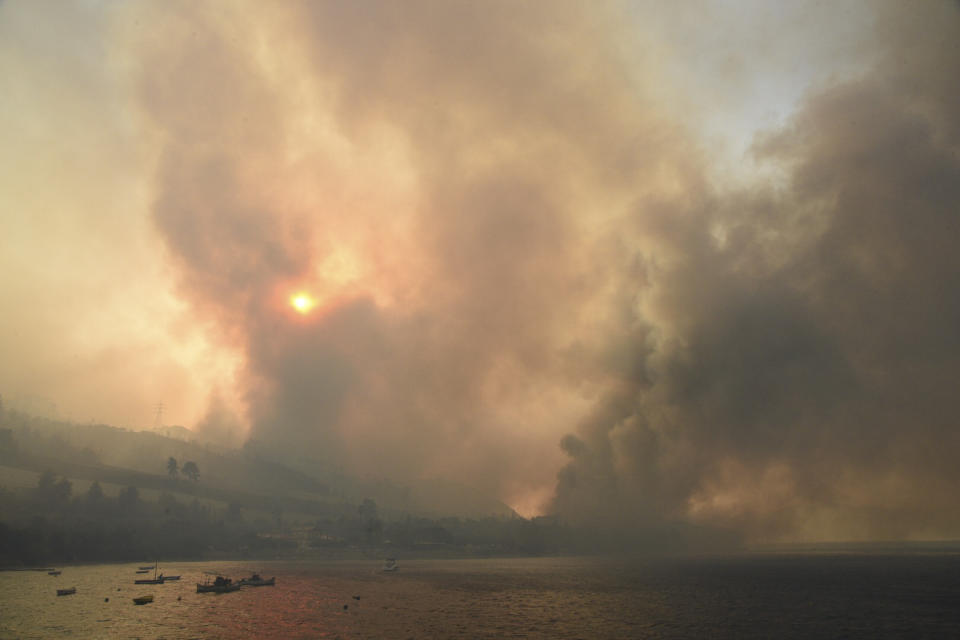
(302,302)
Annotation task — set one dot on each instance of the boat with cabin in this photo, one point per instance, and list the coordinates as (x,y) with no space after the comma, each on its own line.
(256,581)
(220,585)
(147,599)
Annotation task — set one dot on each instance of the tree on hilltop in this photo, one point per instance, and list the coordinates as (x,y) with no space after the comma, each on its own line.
(191,470)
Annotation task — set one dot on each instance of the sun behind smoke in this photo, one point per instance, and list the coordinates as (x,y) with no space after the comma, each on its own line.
(302,302)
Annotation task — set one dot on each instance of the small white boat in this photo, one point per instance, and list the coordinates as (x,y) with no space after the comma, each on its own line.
(390,564)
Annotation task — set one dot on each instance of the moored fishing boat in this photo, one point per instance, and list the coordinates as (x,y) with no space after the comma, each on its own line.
(256,581)
(220,585)
(156,579)
(390,564)
(66,592)
(55,572)
(147,599)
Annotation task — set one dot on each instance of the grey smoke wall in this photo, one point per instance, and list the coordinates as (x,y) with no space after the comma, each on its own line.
(795,355)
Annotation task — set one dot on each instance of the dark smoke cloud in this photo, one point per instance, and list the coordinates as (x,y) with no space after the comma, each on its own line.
(796,370)
(507,227)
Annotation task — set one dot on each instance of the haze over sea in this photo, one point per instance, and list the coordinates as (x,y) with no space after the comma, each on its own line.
(760,595)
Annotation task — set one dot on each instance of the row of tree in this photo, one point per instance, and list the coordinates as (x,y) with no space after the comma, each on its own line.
(189,469)
(50,524)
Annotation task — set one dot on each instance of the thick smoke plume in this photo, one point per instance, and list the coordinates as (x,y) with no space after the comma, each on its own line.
(796,343)
(510,232)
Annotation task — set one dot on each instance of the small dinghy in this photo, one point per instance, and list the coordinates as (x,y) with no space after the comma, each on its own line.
(66,592)
(143,599)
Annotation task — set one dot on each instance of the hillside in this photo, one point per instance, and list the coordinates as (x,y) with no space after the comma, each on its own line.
(248,476)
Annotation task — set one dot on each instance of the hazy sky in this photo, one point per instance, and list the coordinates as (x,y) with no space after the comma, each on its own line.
(699,261)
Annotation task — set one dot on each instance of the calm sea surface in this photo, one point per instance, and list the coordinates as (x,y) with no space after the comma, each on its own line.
(750,596)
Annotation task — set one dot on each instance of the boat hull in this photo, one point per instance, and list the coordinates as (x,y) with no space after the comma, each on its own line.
(210,588)
(259,583)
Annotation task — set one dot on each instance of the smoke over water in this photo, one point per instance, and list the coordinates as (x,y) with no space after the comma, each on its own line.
(515,239)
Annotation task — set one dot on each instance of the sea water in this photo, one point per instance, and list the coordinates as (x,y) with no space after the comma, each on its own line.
(770,595)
